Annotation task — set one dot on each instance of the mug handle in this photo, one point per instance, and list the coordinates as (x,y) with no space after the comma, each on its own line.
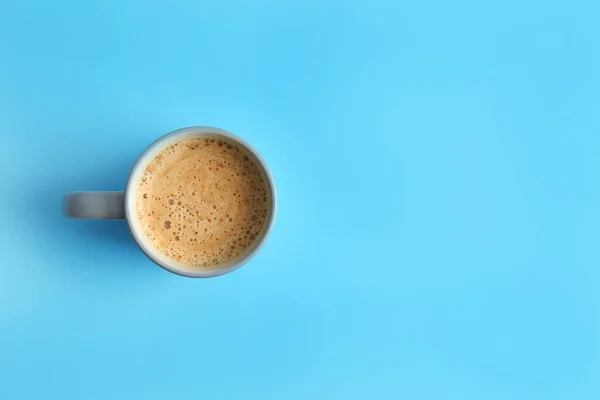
(96,205)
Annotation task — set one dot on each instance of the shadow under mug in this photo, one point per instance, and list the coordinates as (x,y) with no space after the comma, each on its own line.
(122,205)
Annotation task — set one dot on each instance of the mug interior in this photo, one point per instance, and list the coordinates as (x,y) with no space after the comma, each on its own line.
(131,204)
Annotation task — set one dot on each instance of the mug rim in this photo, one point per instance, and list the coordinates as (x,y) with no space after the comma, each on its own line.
(130,214)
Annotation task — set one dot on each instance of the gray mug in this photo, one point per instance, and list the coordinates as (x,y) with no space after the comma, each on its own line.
(122,205)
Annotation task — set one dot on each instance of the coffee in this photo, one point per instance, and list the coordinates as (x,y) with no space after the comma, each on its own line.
(203,201)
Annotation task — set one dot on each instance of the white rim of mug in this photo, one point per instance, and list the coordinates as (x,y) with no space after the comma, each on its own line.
(130,203)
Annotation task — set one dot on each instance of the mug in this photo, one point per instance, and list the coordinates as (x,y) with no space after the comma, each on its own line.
(122,205)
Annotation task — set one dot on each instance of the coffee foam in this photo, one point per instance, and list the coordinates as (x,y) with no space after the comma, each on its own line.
(203,201)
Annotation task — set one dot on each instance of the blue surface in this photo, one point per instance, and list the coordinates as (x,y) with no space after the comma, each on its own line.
(437,165)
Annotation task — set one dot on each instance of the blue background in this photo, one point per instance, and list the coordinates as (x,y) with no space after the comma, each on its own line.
(437,165)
